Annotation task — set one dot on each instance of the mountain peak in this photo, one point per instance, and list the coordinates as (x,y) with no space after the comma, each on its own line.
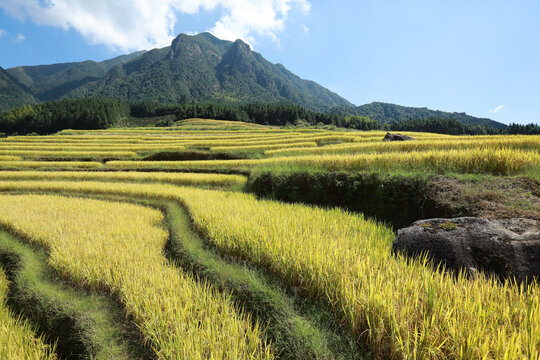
(194,67)
(184,45)
(240,44)
(239,57)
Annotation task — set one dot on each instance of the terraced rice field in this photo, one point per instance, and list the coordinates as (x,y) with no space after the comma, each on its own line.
(188,266)
(16,336)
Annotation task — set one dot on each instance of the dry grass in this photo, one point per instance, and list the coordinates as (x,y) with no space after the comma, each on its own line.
(479,161)
(401,308)
(17,338)
(119,247)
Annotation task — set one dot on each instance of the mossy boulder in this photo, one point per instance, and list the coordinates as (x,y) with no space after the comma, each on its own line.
(508,248)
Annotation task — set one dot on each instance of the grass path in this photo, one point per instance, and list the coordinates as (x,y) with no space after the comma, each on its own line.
(118,248)
(17,338)
(84,325)
(401,308)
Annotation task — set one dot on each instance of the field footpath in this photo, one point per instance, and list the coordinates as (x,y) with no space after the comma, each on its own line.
(83,325)
(297,328)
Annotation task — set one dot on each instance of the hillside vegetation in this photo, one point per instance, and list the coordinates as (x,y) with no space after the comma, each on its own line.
(193,69)
(200,69)
(12,93)
(97,113)
(385,112)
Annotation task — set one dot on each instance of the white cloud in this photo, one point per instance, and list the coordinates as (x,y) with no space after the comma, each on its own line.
(496,110)
(305,28)
(19,38)
(143,24)
(247,18)
(2,32)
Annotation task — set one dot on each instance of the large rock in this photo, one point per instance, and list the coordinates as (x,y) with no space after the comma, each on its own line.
(396,137)
(508,248)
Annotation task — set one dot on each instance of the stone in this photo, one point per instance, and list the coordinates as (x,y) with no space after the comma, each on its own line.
(396,137)
(508,248)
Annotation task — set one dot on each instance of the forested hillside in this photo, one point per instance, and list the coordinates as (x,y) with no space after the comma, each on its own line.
(96,113)
(50,82)
(200,68)
(12,93)
(204,70)
(389,113)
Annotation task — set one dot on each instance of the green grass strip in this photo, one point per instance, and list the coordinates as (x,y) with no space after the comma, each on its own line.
(85,325)
(297,328)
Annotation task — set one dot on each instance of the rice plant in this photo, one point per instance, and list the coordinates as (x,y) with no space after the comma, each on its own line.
(17,338)
(119,247)
(478,161)
(46,165)
(400,308)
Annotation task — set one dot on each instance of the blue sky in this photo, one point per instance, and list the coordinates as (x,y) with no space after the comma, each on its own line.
(479,57)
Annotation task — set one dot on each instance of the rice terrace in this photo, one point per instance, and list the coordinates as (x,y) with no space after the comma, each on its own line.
(171,194)
(116,256)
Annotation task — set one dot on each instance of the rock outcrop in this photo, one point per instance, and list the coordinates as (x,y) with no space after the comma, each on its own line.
(508,248)
(396,137)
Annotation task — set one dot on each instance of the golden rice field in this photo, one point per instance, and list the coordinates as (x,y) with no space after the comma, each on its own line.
(272,148)
(17,338)
(123,254)
(404,308)
(479,160)
(105,228)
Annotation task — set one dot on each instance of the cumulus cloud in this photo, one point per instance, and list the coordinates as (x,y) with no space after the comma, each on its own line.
(496,110)
(143,24)
(247,18)
(2,32)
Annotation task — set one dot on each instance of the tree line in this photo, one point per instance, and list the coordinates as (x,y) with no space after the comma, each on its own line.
(96,113)
(51,117)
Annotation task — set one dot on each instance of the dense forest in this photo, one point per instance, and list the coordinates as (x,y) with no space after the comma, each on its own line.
(443,126)
(90,113)
(199,68)
(12,93)
(278,115)
(390,113)
(95,113)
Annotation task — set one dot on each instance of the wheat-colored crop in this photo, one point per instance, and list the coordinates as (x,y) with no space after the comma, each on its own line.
(478,160)
(44,154)
(17,339)
(187,179)
(510,142)
(119,247)
(9,158)
(401,308)
(64,165)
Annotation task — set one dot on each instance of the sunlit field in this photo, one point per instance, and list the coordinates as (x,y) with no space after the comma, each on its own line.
(98,203)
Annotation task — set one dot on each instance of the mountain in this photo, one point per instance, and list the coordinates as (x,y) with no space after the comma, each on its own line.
(200,68)
(390,113)
(51,82)
(203,68)
(12,93)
